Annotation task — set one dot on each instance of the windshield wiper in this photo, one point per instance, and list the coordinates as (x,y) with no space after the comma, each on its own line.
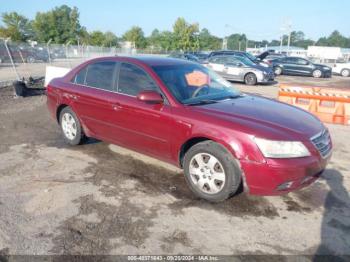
(201,102)
(232,97)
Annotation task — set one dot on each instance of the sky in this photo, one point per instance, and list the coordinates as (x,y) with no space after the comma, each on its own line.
(258,19)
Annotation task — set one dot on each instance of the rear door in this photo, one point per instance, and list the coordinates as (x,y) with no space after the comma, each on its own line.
(232,69)
(138,125)
(217,63)
(94,84)
(289,65)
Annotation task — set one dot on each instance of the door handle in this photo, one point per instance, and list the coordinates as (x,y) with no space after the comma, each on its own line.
(75,97)
(117,107)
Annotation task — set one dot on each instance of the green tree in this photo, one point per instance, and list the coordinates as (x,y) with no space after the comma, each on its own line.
(110,39)
(334,39)
(96,38)
(136,36)
(60,24)
(237,42)
(207,41)
(185,35)
(17,27)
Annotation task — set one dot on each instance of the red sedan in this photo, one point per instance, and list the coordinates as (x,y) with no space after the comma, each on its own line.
(183,113)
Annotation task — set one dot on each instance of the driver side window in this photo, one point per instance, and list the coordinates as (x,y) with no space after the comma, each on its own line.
(133,80)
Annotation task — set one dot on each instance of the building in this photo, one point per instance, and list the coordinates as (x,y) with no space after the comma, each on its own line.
(288,50)
(328,53)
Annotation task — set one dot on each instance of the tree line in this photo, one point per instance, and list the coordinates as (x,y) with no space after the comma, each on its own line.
(61,25)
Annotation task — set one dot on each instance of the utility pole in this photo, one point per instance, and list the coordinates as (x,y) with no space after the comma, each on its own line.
(286,28)
(281,44)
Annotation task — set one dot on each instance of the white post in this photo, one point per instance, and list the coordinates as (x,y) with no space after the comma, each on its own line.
(13,64)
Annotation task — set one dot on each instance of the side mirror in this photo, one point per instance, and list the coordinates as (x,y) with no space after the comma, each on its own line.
(151,97)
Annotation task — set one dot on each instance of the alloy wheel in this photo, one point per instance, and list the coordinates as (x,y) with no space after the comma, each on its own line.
(207,173)
(317,73)
(345,72)
(69,126)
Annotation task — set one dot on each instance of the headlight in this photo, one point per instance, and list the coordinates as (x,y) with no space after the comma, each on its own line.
(281,149)
(326,68)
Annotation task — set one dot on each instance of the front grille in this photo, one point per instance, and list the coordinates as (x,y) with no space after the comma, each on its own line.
(322,142)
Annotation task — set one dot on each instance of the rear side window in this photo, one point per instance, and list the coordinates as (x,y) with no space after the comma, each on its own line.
(218,60)
(133,80)
(101,75)
(80,77)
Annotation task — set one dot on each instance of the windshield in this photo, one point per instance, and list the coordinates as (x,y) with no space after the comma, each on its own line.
(191,83)
(251,57)
(246,61)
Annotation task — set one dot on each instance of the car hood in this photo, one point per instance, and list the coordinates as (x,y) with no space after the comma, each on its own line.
(265,117)
(263,55)
(261,67)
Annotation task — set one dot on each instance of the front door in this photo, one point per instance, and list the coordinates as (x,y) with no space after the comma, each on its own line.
(138,125)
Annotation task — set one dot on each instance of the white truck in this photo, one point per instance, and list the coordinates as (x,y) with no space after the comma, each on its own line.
(342,69)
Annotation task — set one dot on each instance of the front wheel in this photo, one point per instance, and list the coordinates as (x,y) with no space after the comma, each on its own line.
(250,79)
(211,171)
(317,73)
(345,72)
(71,128)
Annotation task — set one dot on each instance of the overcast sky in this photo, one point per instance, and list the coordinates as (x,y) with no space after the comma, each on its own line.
(259,19)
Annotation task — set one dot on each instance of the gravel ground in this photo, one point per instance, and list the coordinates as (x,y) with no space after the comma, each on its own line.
(101,199)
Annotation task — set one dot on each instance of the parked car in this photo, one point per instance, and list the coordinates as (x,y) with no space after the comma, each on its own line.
(299,66)
(185,114)
(202,57)
(185,56)
(268,56)
(342,69)
(238,54)
(240,69)
(22,54)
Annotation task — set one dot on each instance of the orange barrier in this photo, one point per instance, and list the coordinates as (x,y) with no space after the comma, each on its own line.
(330,105)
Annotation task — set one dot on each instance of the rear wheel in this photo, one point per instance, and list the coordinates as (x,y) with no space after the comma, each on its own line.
(345,72)
(71,128)
(317,73)
(211,171)
(278,71)
(30,59)
(250,79)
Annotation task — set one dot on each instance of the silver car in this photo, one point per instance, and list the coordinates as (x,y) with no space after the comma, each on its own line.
(241,69)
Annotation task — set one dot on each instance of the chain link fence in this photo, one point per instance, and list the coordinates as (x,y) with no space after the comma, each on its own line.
(24,60)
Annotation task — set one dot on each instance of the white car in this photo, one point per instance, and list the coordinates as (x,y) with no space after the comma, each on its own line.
(342,69)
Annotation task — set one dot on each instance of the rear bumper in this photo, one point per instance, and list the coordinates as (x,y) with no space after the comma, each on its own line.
(280,176)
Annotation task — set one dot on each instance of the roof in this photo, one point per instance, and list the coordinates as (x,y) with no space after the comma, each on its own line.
(160,60)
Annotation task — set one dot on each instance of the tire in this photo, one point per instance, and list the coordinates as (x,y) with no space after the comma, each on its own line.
(278,71)
(345,72)
(30,59)
(217,177)
(71,127)
(250,79)
(317,73)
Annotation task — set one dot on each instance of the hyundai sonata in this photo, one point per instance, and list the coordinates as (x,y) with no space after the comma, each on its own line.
(185,114)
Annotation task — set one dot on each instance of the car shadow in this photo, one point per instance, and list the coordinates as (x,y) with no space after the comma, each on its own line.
(334,232)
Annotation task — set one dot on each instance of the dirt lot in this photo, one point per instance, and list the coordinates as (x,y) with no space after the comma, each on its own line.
(100,199)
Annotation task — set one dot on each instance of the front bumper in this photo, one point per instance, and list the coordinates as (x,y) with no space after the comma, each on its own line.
(280,176)
(266,78)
